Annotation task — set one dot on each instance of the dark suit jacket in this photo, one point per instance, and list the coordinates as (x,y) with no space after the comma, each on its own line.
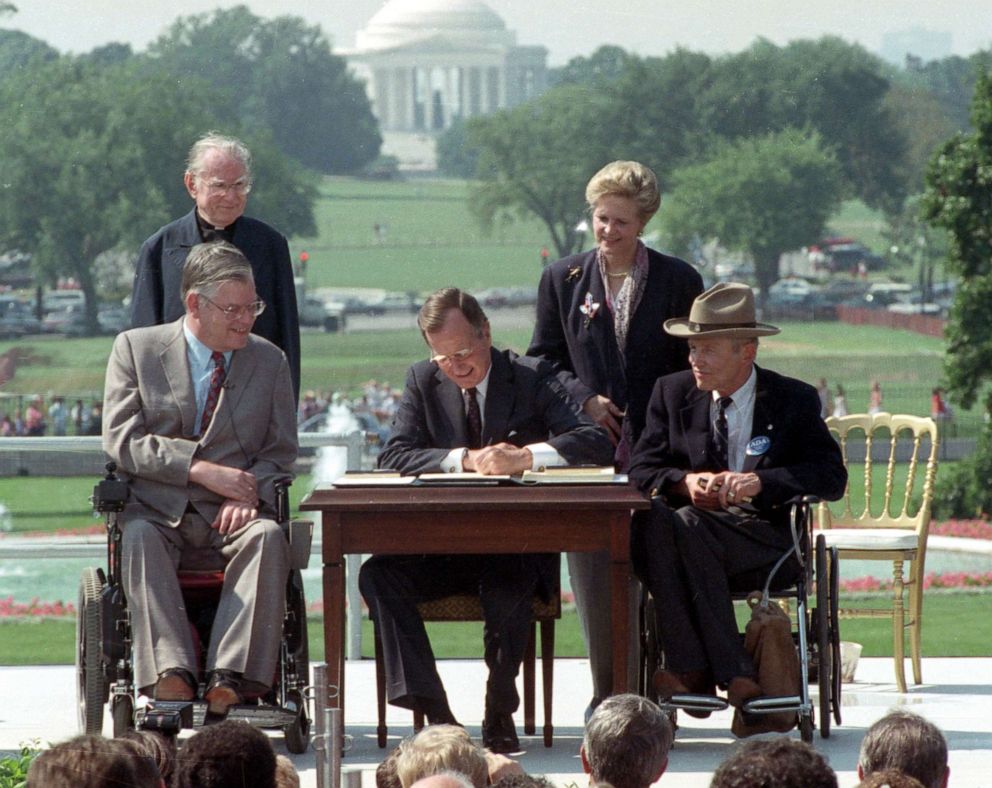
(802,457)
(158,273)
(588,360)
(150,418)
(525,404)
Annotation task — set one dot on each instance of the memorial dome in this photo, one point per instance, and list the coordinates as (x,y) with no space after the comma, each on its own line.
(403,22)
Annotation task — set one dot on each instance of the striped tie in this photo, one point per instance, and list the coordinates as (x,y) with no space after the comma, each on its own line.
(213,394)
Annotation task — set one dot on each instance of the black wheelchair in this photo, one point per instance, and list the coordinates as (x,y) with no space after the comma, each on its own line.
(807,565)
(104,668)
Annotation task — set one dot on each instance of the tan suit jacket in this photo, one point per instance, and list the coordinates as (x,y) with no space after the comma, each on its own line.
(149,415)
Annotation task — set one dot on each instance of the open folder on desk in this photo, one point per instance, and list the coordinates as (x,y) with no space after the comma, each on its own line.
(463,477)
(373,479)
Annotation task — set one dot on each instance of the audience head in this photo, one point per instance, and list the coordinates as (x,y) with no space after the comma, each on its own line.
(385,773)
(890,778)
(161,748)
(626,742)
(286,774)
(446,779)
(441,748)
(230,754)
(908,742)
(775,763)
(93,762)
(523,780)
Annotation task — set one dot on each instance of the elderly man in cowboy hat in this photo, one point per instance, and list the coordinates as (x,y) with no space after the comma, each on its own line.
(726,444)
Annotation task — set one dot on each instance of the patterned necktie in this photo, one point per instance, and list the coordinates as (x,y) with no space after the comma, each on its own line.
(721,435)
(473,417)
(213,394)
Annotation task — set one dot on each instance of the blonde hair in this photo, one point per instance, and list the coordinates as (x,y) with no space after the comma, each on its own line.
(628,179)
(439,748)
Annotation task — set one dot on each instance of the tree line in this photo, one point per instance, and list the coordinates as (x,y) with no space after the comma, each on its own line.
(92,146)
(757,148)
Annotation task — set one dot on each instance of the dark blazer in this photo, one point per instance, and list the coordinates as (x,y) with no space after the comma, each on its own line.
(155,297)
(587,360)
(525,404)
(802,457)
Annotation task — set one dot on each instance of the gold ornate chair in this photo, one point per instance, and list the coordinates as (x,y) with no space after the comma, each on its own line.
(893,528)
(468,607)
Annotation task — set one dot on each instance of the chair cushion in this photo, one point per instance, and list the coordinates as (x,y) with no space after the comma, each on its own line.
(869,538)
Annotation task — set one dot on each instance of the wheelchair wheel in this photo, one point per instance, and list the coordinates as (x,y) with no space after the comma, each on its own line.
(298,732)
(806,727)
(122,712)
(91,684)
(834,623)
(824,646)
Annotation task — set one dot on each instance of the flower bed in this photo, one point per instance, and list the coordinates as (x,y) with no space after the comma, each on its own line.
(967,529)
(35,608)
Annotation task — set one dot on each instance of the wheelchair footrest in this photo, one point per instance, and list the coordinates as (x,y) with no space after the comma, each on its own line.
(180,715)
(772,704)
(694,703)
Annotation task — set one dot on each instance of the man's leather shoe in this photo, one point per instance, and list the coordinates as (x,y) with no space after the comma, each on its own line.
(499,734)
(742,689)
(694,682)
(175,684)
(667,683)
(223,691)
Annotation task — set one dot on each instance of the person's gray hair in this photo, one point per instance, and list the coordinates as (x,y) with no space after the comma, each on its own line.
(908,742)
(209,265)
(435,309)
(629,179)
(626,741)
(213,140)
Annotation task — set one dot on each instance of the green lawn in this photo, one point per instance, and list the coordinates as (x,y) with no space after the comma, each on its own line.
(955,625)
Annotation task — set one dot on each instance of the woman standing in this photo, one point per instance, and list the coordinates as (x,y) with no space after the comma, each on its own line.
(599,322)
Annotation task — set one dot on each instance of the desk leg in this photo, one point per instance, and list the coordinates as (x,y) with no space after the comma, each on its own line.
(334,627)
(619,597)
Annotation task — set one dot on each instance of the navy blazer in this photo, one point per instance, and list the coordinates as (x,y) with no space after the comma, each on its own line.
(525,404)
(586,358)
(155,296)
(801,458)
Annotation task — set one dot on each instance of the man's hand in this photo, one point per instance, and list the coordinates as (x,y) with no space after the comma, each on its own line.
(720,490)
(233,516)
(602,411)
(230,483)
(501,458)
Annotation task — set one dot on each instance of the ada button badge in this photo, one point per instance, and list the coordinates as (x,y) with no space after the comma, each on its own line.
(758,446)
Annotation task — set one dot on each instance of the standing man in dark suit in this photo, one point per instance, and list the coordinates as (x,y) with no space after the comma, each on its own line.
(471,408)
(200,420)
(218,177)
(725,446)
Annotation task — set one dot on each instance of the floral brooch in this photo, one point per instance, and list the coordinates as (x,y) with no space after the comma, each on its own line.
(574,273)
(589,308)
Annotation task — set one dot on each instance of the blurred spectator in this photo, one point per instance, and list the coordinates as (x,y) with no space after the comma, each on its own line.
(310,406)
(34,419)
(840,402)
(93,762)
(908,742)
(890,778)
(6,427)
(229,754)
(161,748)
(286,774)
(940,411)
(94,424)
(823,390)
(775,763)
(626,743)
(875,397)
(19,430)
(439,748)
(8,365)
(78,415)
(58,416)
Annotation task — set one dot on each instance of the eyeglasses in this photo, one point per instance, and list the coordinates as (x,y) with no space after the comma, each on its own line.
(443,360)
(241,186)
(233,312)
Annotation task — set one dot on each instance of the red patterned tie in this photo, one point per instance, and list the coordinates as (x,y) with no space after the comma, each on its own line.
(473,417)
(216,381)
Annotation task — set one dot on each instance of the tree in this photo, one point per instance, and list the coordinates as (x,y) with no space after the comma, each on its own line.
(957,198)
(537,158)
(91,159)
(284,79)
(763,196)
(831,86)
(18,50)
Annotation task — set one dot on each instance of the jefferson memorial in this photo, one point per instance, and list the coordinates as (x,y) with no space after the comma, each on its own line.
(427,62)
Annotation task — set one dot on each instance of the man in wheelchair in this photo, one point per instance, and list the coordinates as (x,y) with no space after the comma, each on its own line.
(726,445)
(200,420)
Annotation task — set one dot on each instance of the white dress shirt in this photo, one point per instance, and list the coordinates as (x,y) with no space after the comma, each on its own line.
(740,418)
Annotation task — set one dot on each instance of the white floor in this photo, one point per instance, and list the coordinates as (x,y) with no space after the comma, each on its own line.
(39,704)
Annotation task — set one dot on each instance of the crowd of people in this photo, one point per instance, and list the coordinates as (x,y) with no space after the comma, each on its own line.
(58,418)
(626,744)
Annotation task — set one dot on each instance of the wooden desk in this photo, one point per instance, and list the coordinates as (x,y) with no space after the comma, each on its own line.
(476,519)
